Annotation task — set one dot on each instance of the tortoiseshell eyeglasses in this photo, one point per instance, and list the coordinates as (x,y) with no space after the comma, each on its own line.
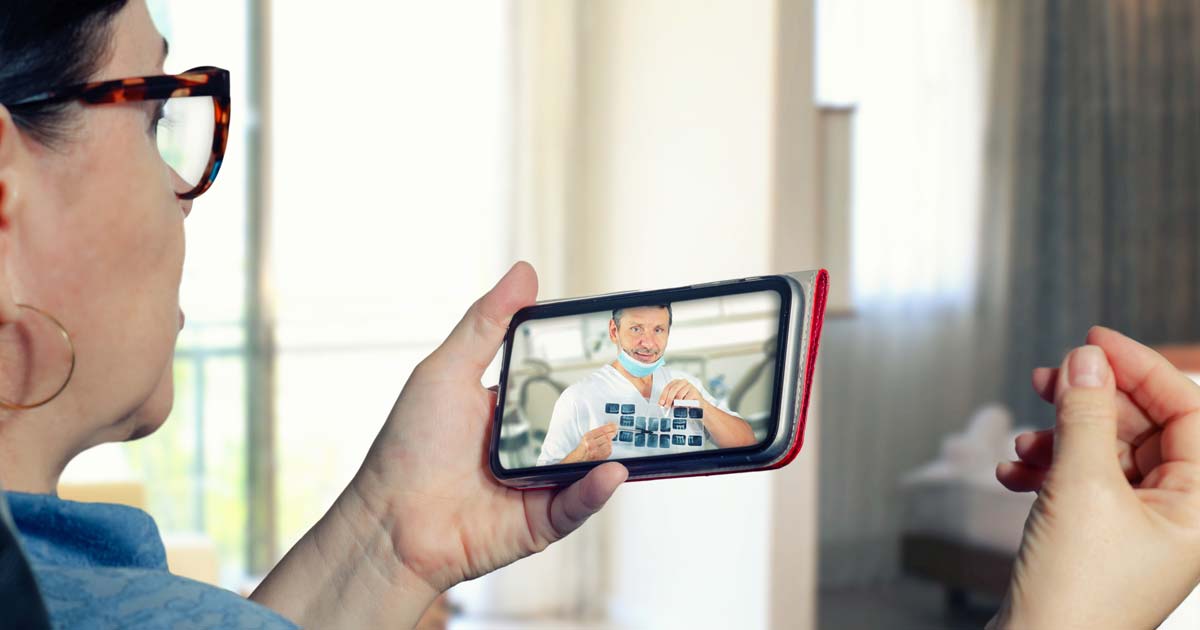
(191,124)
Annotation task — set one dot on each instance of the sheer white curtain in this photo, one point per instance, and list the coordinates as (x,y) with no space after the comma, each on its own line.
(900,373)
(390,168)
(918,149)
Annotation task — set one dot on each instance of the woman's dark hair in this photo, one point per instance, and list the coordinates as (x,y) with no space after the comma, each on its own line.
(48,44)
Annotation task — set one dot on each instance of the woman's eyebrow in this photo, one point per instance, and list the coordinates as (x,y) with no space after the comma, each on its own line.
(166,49)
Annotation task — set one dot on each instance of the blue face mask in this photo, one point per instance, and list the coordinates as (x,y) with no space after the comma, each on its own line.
(637,368)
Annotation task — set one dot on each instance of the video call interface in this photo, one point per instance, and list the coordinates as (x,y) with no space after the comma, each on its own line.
(569,387)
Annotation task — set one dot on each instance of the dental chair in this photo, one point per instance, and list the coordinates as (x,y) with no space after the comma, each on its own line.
(520,441)
(752,396)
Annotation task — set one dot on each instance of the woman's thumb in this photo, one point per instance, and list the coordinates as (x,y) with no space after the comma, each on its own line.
(1085,437)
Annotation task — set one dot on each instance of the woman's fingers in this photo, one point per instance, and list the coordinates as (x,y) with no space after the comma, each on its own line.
(1151,381)
(1036,449)
(1132,423)
(475,340)
(572,506)
(1020,477)
(1044,380)
(1148,455)
(1166,394)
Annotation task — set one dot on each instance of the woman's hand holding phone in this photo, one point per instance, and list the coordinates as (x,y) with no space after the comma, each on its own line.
(423,512)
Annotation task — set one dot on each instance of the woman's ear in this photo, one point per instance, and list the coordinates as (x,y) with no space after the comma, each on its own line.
(11,156)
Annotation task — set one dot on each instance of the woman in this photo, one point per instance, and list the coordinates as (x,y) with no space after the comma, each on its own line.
(91,248)
(91,235)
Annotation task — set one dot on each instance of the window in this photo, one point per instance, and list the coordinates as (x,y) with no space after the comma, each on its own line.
(914,73)
(192,470)
(389,181)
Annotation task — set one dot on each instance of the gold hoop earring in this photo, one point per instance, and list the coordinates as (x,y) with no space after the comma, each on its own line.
(7,404)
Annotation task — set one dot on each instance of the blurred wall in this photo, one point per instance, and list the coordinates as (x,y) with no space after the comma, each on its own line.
(659,143)
(677,188)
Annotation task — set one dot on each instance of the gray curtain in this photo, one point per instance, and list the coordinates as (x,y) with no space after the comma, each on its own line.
(1090,213)
(893,381)
(898,373)
(1093,209)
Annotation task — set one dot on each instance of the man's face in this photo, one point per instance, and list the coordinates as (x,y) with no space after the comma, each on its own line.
(643,332)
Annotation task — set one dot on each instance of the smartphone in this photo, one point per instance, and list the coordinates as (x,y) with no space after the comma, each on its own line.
(698,380)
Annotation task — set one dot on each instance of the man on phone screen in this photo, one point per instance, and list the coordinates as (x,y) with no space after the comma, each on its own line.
(636,405)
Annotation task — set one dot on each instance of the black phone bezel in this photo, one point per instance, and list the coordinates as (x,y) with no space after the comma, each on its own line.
(676,464)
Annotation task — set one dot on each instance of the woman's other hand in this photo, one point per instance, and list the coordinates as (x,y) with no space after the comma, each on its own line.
(1113,540)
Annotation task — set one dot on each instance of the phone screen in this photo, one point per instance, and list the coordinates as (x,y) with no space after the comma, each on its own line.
(653,379)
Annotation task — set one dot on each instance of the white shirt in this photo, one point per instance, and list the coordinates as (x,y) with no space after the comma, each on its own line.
(606,396)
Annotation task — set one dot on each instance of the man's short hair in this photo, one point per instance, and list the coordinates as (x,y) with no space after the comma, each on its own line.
(620,312)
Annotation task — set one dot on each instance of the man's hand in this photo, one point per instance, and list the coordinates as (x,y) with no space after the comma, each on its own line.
(726,430)
(596,445)
(679,389)
(1113,540)
(424,512)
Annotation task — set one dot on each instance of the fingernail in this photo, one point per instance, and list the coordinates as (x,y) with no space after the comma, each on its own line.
(1088,366)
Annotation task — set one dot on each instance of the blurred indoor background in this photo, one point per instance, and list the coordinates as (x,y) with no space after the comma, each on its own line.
(983,178)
